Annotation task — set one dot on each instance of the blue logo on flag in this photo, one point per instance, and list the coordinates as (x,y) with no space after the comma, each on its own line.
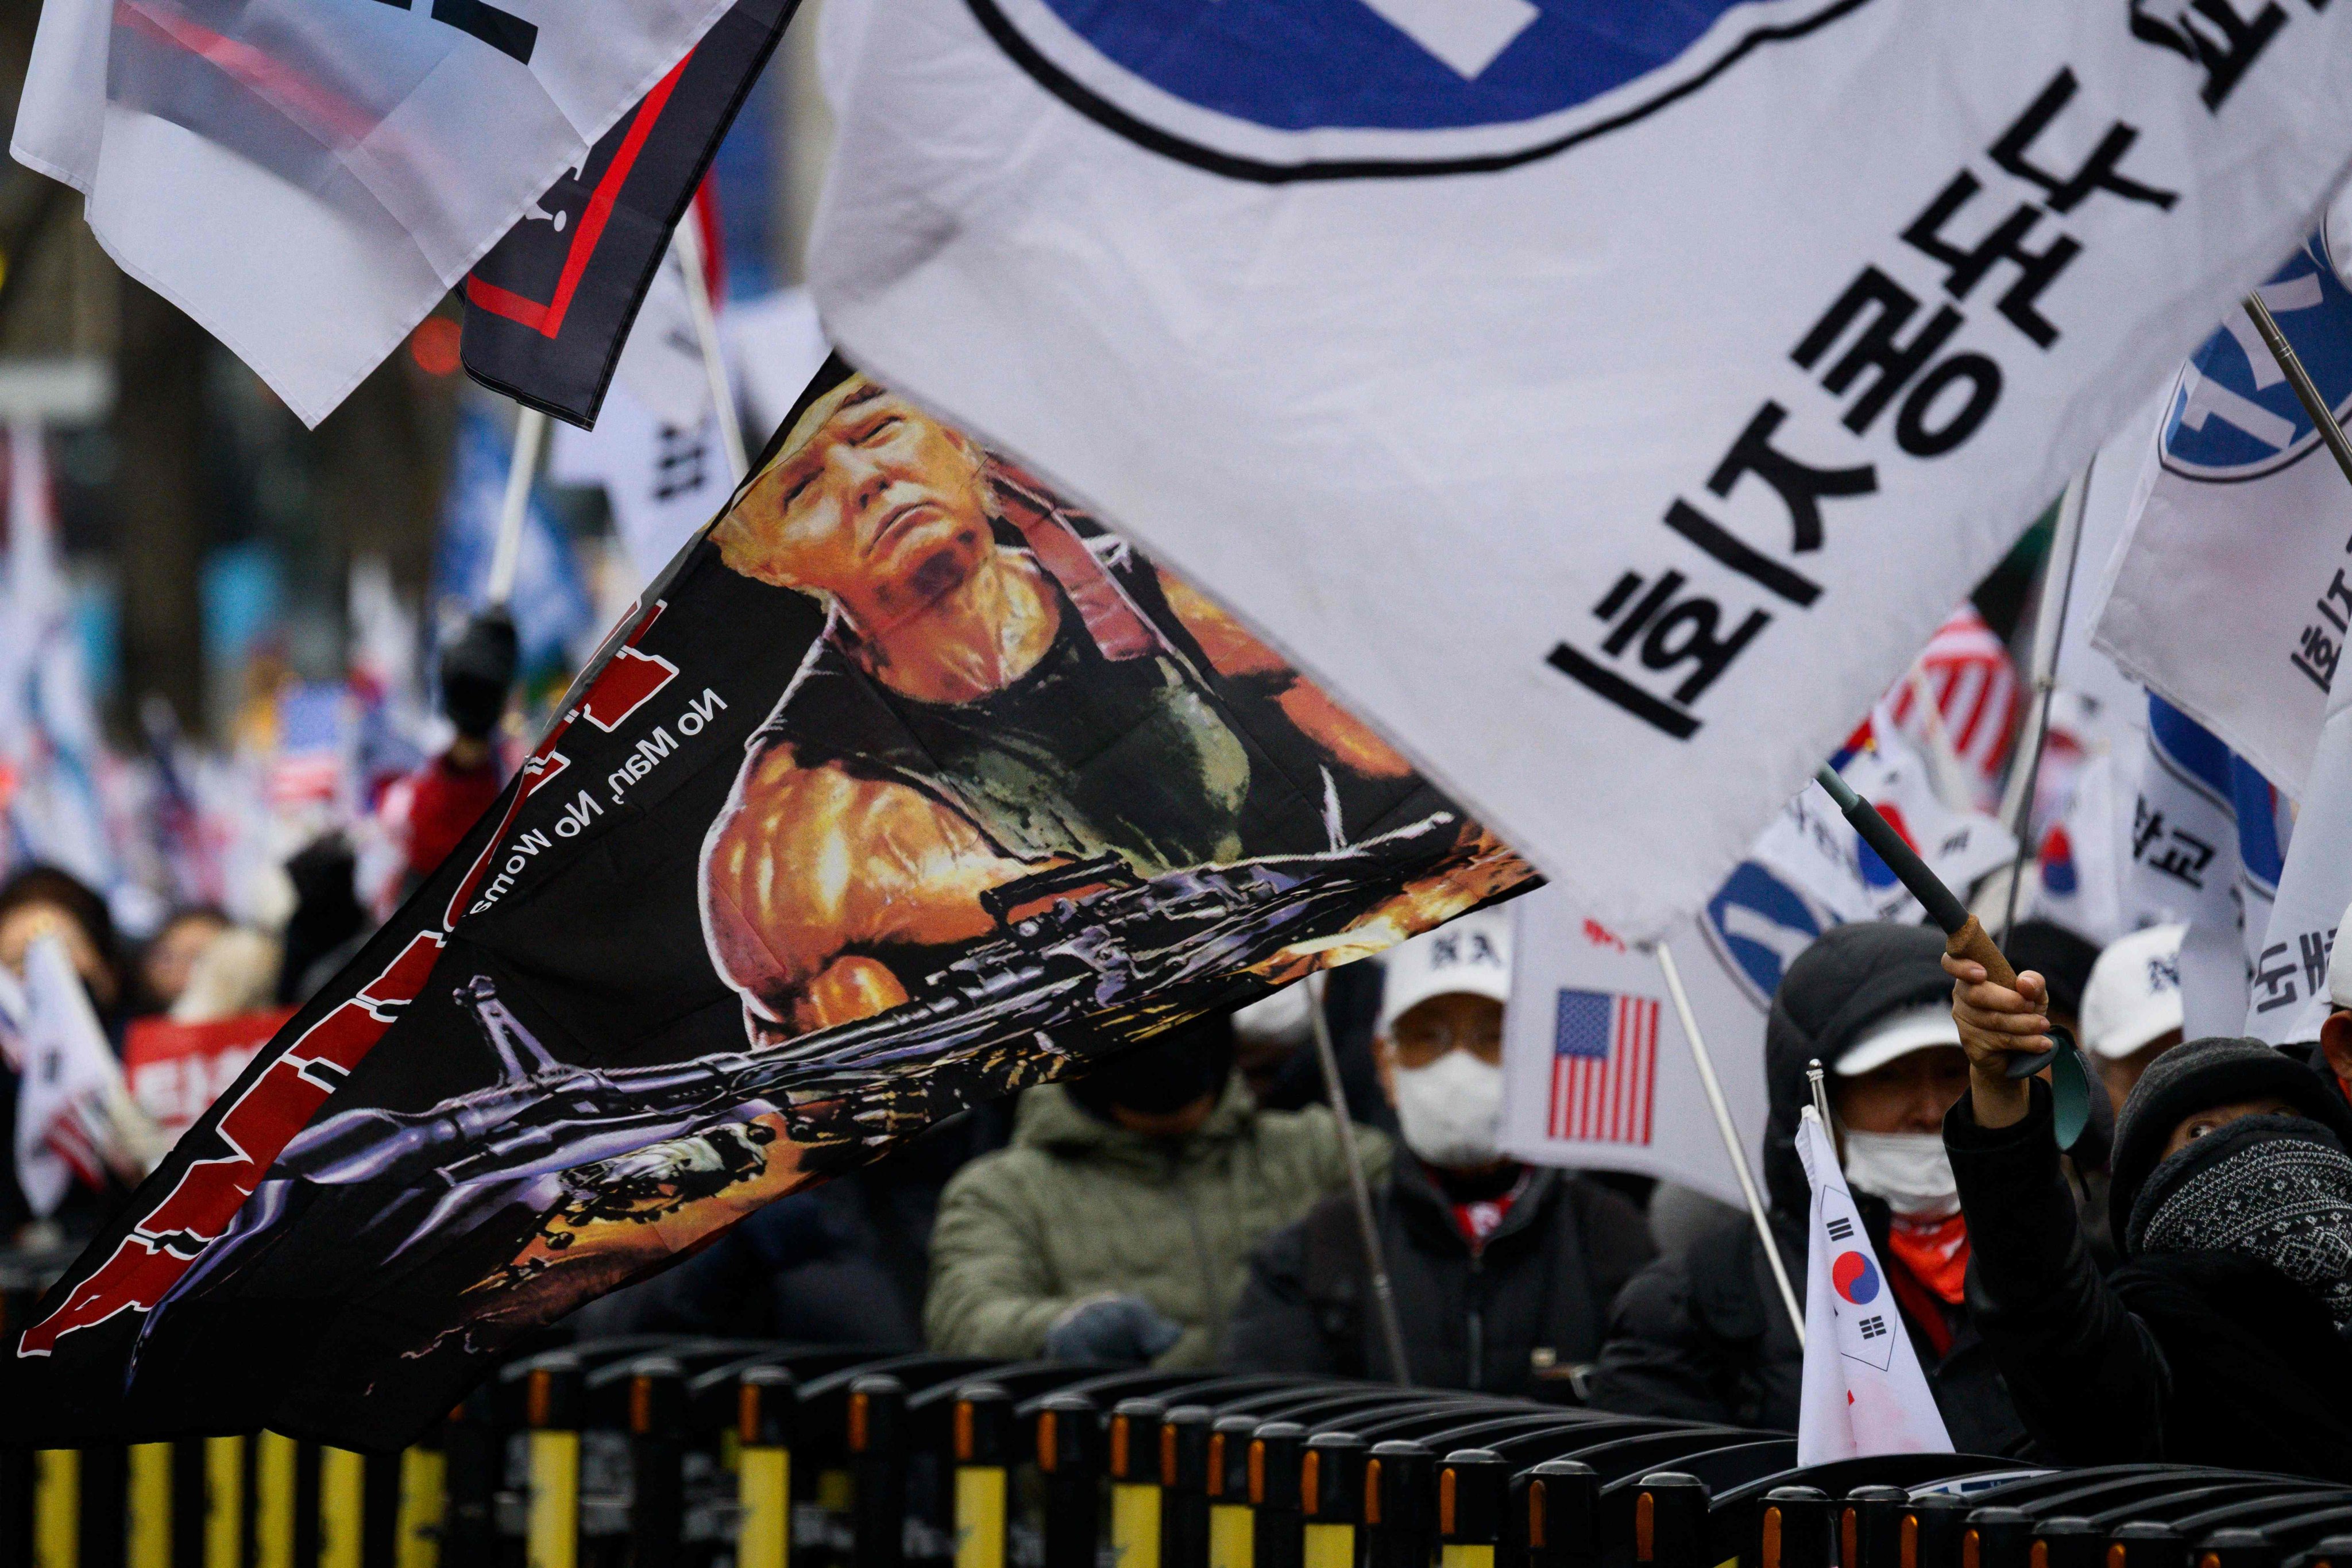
(1238,85)
(2233,415)
(1761,923)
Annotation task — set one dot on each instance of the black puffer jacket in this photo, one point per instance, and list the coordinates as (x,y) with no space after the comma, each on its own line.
(1704,1336)
(1523,1314)
(2185,1357)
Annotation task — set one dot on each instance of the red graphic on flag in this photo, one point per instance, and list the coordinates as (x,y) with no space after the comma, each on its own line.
(1604,1069)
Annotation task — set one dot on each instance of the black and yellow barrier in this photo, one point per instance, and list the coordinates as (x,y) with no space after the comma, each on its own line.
(1331,1499)
(1069,1456)
(877,1440)
(685,1454)
(1277,1452)
(1670,1521)
(658,1439)
(1399,1504)
(981,1441)
(551,1417)
(1135,1496)
(767,1407)
(1471,1484)
(1557,1509)
(1184,1487)
(1797,1528)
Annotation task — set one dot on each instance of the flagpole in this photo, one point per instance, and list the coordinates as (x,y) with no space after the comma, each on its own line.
(686,240)
(2300,379)
(2049,627)
(1359,1190)
(1731,1144)
(506,555)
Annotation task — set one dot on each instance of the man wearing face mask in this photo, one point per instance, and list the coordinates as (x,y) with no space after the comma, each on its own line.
(1503,1272)
(1704,1336)
(1117,1225)
(2221,1340)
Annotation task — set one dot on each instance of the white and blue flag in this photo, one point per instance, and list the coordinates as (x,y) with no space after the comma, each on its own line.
(2233,595)
(2209,840)
(1605,398)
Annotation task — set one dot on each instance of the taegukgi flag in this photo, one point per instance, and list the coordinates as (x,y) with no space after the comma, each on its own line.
(307,181)
(1608,398)
(1863,1391)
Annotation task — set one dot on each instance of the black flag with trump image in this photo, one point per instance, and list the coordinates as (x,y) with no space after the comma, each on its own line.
(910,784)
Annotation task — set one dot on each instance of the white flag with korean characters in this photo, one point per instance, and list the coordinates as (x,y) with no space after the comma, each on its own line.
(1603,398)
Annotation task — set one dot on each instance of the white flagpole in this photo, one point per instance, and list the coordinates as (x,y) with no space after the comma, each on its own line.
(505,555)
(1359,1192)
(686,240)
(1731,1144)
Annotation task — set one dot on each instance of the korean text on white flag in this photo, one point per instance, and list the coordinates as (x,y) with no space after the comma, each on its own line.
(1604,399)
(1863,1391)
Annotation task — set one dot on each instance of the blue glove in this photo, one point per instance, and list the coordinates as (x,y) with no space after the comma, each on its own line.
(1127,1330)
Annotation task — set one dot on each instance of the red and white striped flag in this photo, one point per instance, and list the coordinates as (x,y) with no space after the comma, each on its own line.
(1977,696)
(1604,1073)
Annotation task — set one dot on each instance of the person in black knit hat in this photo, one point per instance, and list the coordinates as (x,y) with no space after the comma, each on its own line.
(2222,1338)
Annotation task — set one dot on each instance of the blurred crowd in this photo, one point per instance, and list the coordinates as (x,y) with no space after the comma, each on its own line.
(1189,1204)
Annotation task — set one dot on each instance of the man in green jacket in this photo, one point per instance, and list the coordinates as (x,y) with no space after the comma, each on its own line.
(1117,1225)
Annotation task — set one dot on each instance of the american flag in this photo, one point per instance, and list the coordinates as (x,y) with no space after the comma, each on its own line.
(1968,670)
(312,724)
(1604,1069)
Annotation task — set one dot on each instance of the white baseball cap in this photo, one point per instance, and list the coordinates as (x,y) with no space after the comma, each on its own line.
(2133,997)
(1472,954)
(1898,1035)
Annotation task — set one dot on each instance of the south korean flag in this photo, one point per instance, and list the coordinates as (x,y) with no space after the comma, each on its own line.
(1863,1392)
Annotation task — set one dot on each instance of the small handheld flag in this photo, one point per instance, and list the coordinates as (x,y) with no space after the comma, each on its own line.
(1863,1390)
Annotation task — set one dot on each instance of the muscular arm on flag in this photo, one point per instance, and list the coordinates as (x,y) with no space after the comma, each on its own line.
(1236,654)
(813,867)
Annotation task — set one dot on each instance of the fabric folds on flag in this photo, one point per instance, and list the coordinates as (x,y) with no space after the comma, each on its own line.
(2233,597)
(548,310)
(1606,410)
(309,180)
(788,879)
(1863,1391)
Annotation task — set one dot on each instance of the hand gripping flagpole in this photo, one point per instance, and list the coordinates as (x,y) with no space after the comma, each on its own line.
(1731,1144)
(686,240)
(1359,1190)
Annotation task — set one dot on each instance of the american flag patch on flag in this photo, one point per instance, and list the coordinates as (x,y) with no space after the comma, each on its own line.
(1604,1069)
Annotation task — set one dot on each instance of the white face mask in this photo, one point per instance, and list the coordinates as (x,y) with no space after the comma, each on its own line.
(1451,1111)
(1910,1170)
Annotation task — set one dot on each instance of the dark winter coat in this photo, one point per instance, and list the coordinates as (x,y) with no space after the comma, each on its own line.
(1704,1336)
(2187,1357)
(1523,1311)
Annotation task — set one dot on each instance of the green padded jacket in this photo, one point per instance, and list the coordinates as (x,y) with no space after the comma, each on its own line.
(1074,1208)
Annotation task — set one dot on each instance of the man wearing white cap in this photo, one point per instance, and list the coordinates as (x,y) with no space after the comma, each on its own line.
(2131,1008)
(1704,1336)
(1503,1272)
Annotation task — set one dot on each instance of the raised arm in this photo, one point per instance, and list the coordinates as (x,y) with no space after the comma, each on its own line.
(2088,1378)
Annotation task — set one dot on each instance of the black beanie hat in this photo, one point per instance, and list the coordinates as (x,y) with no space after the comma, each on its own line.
(2197,1077)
